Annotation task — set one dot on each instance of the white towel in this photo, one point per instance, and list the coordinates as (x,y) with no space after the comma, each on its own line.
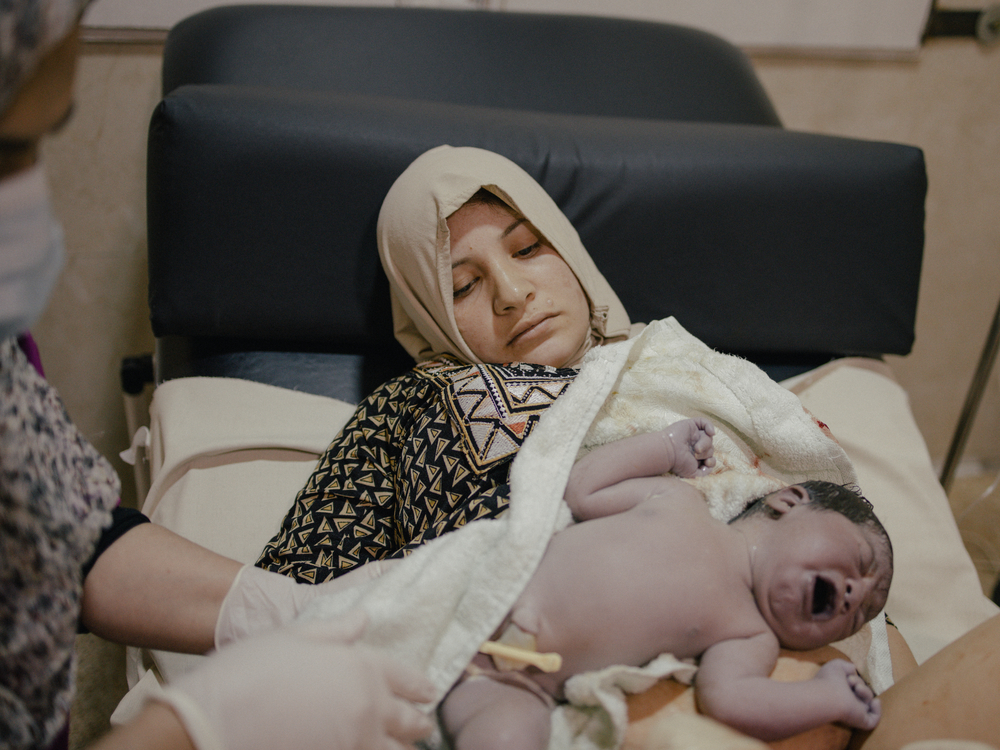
(436,607)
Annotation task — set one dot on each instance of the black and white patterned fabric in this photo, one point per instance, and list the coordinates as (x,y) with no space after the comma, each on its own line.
(425,454)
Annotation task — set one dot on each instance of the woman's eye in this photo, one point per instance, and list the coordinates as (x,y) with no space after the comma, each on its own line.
(527,252)
(463,291)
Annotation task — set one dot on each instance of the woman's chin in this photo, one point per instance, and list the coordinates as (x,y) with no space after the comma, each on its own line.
(555,351)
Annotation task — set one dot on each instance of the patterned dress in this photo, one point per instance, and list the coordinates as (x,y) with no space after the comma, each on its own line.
(56,496)
(424,454)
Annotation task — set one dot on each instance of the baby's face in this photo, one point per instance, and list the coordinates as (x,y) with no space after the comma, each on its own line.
(824,580)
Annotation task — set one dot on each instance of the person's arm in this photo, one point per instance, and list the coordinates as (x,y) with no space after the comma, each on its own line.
(155,589)
(952,695)
(610,479)
(733,686)
(309,686)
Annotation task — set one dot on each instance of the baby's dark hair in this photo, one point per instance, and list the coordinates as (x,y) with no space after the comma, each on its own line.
(844,499)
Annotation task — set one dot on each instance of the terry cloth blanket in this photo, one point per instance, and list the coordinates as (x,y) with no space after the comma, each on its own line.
(436,607)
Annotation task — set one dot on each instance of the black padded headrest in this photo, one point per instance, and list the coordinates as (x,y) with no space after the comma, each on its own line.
(263,203)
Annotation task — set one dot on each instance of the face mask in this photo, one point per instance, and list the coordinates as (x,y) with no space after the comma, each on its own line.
(31,250)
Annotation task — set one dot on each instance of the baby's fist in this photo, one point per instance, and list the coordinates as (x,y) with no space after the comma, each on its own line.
(693,446)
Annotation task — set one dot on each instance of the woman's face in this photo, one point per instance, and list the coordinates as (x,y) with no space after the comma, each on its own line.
(515,299)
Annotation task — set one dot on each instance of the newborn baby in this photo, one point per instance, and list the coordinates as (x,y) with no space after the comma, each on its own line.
(647,570)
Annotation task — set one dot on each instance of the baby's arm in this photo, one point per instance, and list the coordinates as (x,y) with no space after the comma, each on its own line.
(733,686)
(597,486)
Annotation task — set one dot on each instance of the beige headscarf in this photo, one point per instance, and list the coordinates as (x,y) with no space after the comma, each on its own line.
(414,242)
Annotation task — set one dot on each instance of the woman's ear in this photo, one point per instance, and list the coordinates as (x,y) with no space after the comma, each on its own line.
(787,498)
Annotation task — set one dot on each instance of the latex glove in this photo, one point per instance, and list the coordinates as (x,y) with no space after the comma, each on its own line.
(259,600)
(304,686)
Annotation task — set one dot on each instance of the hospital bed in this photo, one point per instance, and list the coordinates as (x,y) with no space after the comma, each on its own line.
(282,128)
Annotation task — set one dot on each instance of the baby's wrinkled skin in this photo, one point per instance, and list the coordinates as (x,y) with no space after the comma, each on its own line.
(647,570)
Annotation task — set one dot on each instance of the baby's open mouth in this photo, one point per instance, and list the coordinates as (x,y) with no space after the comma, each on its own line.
(824,598)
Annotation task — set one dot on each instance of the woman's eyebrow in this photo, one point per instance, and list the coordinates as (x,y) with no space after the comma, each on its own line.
(516,223)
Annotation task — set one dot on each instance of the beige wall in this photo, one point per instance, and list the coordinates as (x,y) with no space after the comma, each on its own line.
(947,102)
(97,171)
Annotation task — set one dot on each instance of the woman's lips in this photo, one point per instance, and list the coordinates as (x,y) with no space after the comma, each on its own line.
(525,331)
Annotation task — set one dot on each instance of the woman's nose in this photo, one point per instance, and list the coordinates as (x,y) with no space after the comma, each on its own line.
(511,289)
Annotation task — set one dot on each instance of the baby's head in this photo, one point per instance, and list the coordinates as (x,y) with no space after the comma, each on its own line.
(821,562)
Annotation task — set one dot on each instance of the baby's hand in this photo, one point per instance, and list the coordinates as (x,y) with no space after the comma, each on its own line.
(862,709)
(692,443)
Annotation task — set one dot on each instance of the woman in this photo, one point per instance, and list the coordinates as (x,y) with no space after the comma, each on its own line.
(495,297)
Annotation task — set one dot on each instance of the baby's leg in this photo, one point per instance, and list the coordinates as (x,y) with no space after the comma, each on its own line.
(483,714)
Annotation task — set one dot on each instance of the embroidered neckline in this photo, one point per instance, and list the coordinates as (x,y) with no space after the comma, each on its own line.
(495,407)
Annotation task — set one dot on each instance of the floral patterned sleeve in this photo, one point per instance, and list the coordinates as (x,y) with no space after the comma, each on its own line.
(56,496)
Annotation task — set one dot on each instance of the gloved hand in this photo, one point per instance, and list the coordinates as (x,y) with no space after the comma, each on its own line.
(303,686)
(260,600)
